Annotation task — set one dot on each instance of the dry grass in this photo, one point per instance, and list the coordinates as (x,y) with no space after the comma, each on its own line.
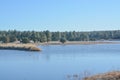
(115,75)
(27,47)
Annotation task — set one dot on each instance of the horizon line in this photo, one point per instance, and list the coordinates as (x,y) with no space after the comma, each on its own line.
(60,31)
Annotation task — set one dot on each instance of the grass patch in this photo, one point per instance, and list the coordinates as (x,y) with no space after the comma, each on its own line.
(25,47)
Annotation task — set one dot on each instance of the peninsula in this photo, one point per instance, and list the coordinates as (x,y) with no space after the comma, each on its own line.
(24,47)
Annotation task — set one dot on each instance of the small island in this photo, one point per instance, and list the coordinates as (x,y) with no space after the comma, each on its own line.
(23,47)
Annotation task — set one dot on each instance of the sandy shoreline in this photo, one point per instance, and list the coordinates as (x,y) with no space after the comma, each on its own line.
(79,42)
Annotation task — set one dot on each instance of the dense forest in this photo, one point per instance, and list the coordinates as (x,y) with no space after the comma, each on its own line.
(46,36)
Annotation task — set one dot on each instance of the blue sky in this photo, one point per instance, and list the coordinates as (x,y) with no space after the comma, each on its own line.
(60,15)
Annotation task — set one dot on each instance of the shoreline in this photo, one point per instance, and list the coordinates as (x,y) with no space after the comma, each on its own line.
(114,75)
(78,43)
(33,46)
(22,47)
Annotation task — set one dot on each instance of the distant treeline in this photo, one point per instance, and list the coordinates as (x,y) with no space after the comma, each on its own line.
(46,36)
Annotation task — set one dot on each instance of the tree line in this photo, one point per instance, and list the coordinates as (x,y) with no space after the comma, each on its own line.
(46,36)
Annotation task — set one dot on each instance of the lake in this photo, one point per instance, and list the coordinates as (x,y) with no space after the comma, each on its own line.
(58,62)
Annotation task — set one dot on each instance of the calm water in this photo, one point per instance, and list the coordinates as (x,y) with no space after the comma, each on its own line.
(55,62)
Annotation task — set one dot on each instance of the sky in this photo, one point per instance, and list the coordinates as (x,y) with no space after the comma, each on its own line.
(60,15)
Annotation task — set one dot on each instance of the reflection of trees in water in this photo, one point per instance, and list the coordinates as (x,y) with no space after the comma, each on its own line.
(47,57)
(19,55)
(60,56)
(34,56)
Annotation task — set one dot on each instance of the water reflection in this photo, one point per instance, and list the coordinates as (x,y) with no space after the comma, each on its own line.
(18,55)
(58,62)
